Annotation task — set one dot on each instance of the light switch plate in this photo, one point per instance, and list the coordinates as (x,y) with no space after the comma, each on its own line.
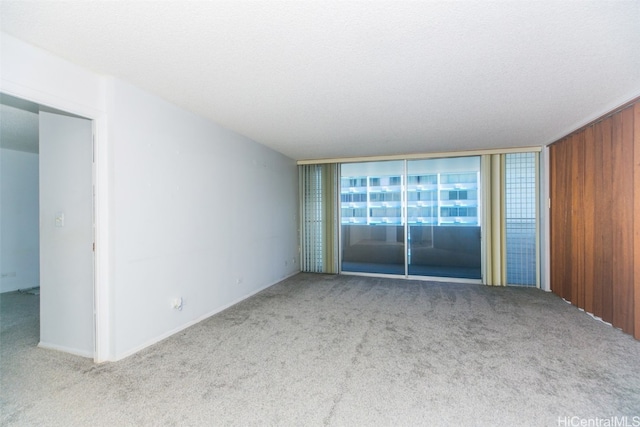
(59,219)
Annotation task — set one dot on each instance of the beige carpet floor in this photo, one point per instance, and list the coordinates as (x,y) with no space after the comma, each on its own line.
(320,350)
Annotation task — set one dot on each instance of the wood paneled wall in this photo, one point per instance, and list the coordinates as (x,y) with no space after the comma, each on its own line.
(595,218)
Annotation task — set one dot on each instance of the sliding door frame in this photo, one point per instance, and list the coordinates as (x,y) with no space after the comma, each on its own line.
(542,227)
(404,222)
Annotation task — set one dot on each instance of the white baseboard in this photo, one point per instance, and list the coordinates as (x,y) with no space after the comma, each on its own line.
(16,287)
(64,349)
(197,320)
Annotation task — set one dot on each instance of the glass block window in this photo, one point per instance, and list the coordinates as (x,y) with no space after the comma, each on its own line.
(520,217)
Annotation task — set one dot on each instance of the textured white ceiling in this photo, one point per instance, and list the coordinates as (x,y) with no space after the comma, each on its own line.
(325,79)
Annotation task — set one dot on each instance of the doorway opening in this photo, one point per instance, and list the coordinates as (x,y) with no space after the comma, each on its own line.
(48,219)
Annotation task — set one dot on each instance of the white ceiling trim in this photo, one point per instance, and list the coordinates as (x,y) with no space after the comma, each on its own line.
(422,156)
(615,107)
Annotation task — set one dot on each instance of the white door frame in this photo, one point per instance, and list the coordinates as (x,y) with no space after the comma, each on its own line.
(102,343)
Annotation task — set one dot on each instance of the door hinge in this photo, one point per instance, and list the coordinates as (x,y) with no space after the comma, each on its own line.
(93,247)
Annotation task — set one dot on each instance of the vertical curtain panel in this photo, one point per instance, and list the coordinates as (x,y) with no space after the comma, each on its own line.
(319,218)
(493,236)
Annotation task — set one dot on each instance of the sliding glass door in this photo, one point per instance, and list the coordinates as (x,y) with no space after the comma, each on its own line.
(443,217)
(372,220)
(418,217)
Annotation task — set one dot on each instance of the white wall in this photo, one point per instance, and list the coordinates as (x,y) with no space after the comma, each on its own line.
(66,234)
(19,244)
(39,76)
(36,75)
(185,208)
(201,214)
